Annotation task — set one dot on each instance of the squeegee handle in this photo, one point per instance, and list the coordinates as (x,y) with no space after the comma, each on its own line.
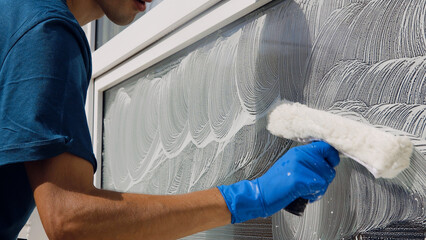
(297,207)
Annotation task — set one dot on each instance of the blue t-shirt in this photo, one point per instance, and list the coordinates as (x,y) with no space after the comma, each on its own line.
(45,68)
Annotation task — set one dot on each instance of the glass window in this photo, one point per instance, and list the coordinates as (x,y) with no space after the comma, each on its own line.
(197,119)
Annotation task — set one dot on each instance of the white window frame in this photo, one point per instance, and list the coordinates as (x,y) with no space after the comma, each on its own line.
(141,45)
(155,24)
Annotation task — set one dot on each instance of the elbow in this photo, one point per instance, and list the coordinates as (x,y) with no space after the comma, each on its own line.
(60,227)
(64,219)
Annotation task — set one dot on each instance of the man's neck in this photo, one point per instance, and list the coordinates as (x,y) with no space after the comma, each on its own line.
(85,11)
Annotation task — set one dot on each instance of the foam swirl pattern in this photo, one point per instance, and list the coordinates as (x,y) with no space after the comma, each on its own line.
(198,119)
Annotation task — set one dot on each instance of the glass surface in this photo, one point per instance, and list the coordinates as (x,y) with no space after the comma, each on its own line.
(106,30)
(197,119)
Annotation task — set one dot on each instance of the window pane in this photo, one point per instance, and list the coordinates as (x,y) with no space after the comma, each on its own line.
(197,119)
(106,30)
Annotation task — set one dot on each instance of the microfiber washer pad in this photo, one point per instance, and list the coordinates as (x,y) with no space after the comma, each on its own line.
(382,153)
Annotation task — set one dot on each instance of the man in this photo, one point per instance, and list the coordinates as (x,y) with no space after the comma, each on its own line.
(46,158)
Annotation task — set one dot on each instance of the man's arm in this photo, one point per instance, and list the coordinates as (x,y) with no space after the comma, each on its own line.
(70,207)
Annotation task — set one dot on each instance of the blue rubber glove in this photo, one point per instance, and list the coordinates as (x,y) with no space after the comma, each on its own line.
(304,171)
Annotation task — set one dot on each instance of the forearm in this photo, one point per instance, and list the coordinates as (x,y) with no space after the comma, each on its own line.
(111,215)
(70,206)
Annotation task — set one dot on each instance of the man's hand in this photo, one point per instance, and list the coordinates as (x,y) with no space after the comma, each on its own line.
(304,171)
(71,207)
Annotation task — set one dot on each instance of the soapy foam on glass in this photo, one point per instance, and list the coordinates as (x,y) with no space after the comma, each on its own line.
(333,61)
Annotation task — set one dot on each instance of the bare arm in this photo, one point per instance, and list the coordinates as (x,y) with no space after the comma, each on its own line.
(71,207)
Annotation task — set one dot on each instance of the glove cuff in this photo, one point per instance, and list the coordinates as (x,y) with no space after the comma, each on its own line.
(244,200)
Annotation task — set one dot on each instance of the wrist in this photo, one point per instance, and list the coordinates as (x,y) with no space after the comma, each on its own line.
(244,200)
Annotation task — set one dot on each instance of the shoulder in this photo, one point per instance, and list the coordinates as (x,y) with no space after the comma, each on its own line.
(53,47)
(19,18)
(42,24)
(57,31)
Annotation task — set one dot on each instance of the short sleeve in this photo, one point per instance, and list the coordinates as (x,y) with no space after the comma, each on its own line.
(43,85)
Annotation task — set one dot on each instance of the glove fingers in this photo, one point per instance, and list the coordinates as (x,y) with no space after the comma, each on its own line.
(316,188)
(316,166)
(325,171)
(327,151)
